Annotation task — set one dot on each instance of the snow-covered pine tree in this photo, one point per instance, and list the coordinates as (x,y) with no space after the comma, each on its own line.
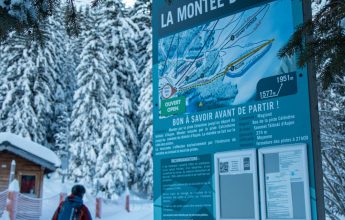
(144,161)
(332,123)
(326,50)
(27,102)
(112,162)
(141,16)
(17,68)
(326,46)
(65,81)
(21,16)
(118,30)
(90,100)
(74,47)
(49,81)
(73,44)
(4,87)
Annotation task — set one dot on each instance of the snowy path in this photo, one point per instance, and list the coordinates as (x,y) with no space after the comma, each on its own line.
(111,213)
(111,210)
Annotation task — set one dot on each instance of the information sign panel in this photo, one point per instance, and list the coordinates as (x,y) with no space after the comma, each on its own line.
(236,185)
(218,86)
(284,182)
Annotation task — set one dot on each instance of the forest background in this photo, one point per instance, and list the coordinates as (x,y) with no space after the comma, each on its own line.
(79,82)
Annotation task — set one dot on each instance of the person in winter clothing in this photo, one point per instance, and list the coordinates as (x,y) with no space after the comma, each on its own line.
(73,208)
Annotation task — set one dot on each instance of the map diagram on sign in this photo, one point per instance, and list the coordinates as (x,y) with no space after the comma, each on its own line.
(218,64)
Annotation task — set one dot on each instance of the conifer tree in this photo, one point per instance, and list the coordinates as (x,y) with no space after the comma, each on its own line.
(144,162)
(112,162)
(90,100)
(118,31)
(322,41)
(18,68)
(64,81)
(26,16)
(332,122)
(141,16)
(28,73)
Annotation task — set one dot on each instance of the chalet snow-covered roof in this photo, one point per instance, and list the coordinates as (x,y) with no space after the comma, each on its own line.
(29,150)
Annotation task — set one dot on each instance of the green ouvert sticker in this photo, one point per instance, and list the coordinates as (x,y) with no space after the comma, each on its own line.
(173,106)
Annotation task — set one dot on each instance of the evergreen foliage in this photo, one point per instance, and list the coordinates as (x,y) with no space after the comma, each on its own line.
(90,100)
(141,16)
(64,80)
(118,31)
(26,16)
(18,70)
(322,42)
(29,70)
(145,131)
(326,47)
(112,162)
(332,122)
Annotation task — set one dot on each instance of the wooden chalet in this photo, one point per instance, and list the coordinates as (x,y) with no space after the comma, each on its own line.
(32,161)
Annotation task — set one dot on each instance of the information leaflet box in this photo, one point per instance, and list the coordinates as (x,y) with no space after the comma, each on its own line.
(236,184)
(284,182)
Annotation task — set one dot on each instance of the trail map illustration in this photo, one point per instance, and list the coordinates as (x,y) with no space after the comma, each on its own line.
(210,65)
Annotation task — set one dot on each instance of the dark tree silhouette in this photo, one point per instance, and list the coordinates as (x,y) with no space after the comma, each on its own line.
(322,41)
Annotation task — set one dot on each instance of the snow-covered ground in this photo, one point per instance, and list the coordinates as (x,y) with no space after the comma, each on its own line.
(140,209)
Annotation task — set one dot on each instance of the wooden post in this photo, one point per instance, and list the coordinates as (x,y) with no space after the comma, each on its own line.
(127,197)
(127,203)
(12,205)
(12,171)
(98,207)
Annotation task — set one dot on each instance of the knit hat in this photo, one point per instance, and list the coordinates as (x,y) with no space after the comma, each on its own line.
(78,190)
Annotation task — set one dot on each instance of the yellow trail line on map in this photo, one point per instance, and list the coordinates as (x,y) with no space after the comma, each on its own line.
(222,73)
